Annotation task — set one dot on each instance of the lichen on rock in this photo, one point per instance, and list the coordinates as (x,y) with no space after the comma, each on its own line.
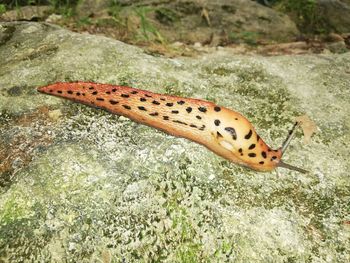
(82,185)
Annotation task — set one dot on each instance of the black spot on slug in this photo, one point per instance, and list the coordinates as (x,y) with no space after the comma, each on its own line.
(149,96)
(273,158)
(252,155)
(142,108)
(125,95)
(108,92)
(78,93)
(240,150)
(162,99)
(154,114)
(232,131)
(59,91)
(217,122)
(202,128)
(70,92)
(181,122)
(114,90)
(249,135)
(169,104)
(100,99)
(202,109)
(50,90)
(127,107)
(262,162)
(198,117)
(143,99)
(166,118)
(155,102)
(180,102)
(83,94)
(252,146)
(193,126)
(175,111)
(113,102)
(94,93)
(217,108)
(134,92)
(263,154)
(188,109)
(91,88)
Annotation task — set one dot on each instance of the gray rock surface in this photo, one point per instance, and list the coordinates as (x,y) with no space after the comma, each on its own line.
(201,21)
(87,8)
(82,185)
(30,13)
(335,13)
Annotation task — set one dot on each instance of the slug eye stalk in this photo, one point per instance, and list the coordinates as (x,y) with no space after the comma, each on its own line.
(284,147)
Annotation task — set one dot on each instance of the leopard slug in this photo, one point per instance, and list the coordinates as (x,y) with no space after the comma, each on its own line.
(223,131)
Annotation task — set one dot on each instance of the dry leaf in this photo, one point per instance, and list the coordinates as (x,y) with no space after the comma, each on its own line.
(205,14)
(308,126)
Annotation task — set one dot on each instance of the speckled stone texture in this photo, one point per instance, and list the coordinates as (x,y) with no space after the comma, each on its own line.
(81,185)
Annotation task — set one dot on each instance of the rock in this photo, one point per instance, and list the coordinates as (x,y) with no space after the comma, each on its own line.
(335,14)
(81,185)
(346,38)
(333,37)
(224,21)
(86,8)
(337,47)
(30,13)
(53,18)
(231,17)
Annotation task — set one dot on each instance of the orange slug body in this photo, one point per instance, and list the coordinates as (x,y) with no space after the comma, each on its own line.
(221,130)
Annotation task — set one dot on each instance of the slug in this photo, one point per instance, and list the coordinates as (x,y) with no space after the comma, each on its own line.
(223,131)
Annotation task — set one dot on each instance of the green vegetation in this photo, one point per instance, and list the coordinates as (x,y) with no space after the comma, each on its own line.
(148,30)
(166,16)
(84,21)
(63,7)
(2,9)
(249,38)
(304,13)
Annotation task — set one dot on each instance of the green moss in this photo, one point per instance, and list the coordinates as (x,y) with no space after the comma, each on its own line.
(189,253)
(172,88)
(265,95)
(222,71)
(12,210)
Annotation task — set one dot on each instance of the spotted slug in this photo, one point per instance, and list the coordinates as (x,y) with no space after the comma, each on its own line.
(223,131)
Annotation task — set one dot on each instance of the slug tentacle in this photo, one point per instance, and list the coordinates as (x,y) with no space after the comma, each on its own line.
(223,131)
